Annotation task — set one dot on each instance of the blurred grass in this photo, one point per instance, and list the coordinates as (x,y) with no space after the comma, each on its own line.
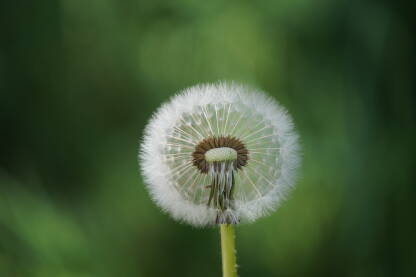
(79,80)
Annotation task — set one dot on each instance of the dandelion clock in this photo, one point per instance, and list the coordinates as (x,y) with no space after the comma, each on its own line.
(219,154)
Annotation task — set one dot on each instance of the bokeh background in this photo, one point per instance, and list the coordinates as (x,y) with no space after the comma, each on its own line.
(79,80)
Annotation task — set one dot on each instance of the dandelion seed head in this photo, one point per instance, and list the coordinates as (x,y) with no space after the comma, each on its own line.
(219,153)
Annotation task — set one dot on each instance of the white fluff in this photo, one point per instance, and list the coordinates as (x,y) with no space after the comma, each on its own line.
(180,124)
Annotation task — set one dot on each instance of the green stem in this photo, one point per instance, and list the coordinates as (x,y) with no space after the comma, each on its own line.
(229,267)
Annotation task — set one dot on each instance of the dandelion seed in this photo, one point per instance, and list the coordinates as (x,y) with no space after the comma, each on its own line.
(219,154)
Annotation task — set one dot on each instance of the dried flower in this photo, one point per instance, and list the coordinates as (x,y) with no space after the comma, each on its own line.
(219,153)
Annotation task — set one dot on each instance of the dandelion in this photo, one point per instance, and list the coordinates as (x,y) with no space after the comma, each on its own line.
(219,154)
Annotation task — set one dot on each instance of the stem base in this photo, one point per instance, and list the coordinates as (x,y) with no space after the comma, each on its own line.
(229,267)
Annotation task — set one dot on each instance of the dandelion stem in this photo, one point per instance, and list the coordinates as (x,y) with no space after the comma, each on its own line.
(229,267)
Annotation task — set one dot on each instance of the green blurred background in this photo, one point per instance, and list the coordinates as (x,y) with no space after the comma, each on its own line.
(79,80)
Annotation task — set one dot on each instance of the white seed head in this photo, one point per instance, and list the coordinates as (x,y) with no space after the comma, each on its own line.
(219,153)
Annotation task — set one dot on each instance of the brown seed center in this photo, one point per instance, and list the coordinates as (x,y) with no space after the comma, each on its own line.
(217,142)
